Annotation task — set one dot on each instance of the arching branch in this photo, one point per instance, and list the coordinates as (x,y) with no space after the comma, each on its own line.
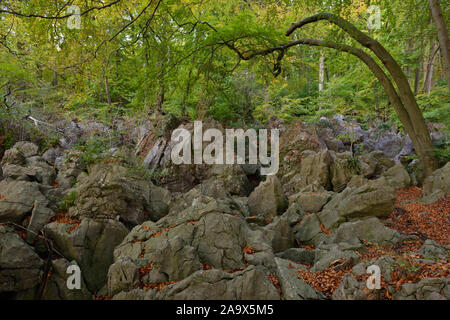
(423,145)
(24,15)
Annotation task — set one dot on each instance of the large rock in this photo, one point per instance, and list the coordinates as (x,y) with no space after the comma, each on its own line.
(298,255)
(315,169)
(370,229)
(342,169)
(13,156)
(28,149)
(57,289)
(296,139)
(113,190)
(268,199)
(17,199)
(207,233)
(390,143)
(40,216)
(375,198)
(426,289)
(438,184)
(70,168)
(292,287)
(233,179)
(397,177)
(20,266)
(345,166)
(328,254)
(91,245)
(312,202)
(250,284)
(280,231)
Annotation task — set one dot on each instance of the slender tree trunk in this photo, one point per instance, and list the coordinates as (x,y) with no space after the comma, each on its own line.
(108,95)
(428,76)
(55,79)
(417,79)
(444,41)
(321,71)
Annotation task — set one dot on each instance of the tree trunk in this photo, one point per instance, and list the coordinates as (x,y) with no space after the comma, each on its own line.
(422,140)
(428,76)
(321,71)
(108,95)
(417,79)
(55,79)
(444,41)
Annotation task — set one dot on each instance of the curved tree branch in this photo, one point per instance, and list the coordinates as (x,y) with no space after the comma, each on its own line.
(424,146)
(23,15)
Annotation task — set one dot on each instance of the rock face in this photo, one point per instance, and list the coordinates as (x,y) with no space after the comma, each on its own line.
(215,231)
(208,233)
(91,245)
(268,199)
(20,266)
(397,177)
(57,283)
(426,289)
(312,202)
(18,198)
(292,287)
(314,170)
(112,190)
(438,184)
(375,198)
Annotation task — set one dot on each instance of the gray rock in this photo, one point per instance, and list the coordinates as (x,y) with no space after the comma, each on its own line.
(438,184)
(28,149)
(113,190)
(268,199)
(311,202)
(123,275)
(315,168)
(307,229)
(17,199)
(71,165)
(298,255)
(51,154)
(40,216)
(91,245)
(426,289)
(292,287)
(390,143)
(56,288)
(13,156)
(370,229)
(327,255)
(20,266)
(397,177)
(341,170)
(250,284)
(431,249)
(351,289)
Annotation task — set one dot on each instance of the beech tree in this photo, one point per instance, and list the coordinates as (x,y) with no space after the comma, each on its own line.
(401,97)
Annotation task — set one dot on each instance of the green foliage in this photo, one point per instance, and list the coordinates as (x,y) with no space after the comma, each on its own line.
(183,61)
(68,201)
(353,163)
(93,149)
(436,105)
